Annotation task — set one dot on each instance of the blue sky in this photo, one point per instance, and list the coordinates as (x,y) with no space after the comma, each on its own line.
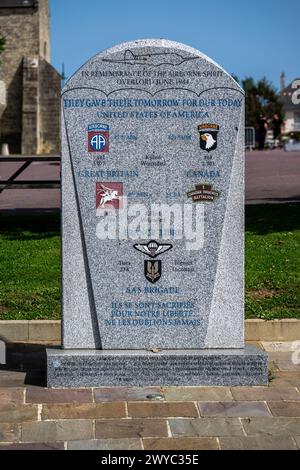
(248,38)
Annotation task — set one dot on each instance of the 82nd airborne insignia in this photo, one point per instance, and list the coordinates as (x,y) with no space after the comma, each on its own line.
(152,270)
(98,138)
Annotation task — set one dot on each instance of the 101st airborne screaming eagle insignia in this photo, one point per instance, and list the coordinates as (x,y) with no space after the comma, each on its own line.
(208,136)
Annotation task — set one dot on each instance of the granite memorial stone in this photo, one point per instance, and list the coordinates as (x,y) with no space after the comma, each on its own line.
(153,222)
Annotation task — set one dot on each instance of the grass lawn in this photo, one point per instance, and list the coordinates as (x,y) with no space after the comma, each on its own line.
(30,264)
(30,267)
(272,261)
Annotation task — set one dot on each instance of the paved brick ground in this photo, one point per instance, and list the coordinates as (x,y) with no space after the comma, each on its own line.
(33,417)
(30,198)
(271,176)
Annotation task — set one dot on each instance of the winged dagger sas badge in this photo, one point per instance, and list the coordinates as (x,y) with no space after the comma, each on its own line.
(152,270)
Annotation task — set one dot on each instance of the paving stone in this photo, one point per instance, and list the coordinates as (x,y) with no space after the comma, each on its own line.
(233,409)
(283,364)
(9,432)
(152,410)
(283,408)
(48,395)
(126,428)
(281,355)
(33,446)
(257,443)
(281,382)
(211,427)
(271,426)
(18,413)
(278,346)
(24,379)
(124,393)
(287,374)
(84,410)
(283,361)
(12,379)
(285,378)
(11,396)
(197,393)
(266,393)
(178,443)
(62,430)
(106,444)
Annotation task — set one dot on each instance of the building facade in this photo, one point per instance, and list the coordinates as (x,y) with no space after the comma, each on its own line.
(30,123)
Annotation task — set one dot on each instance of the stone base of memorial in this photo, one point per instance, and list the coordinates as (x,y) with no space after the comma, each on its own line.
(88,368)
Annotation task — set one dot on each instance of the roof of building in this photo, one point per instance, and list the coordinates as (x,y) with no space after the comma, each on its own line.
(286,97)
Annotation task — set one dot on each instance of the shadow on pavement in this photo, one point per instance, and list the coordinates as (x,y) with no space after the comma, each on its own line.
(25,364)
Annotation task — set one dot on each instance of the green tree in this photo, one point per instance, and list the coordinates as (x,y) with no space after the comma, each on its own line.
(261,97)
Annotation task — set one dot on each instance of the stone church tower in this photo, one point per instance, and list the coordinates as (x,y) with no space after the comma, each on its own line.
(30,123)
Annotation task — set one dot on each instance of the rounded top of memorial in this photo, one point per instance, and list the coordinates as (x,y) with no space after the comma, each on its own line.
(140,53)
(156,43)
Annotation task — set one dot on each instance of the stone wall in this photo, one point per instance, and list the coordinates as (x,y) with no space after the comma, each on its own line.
(30,109)
(23,125)
(49,108)
(20,28)
(44,30)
